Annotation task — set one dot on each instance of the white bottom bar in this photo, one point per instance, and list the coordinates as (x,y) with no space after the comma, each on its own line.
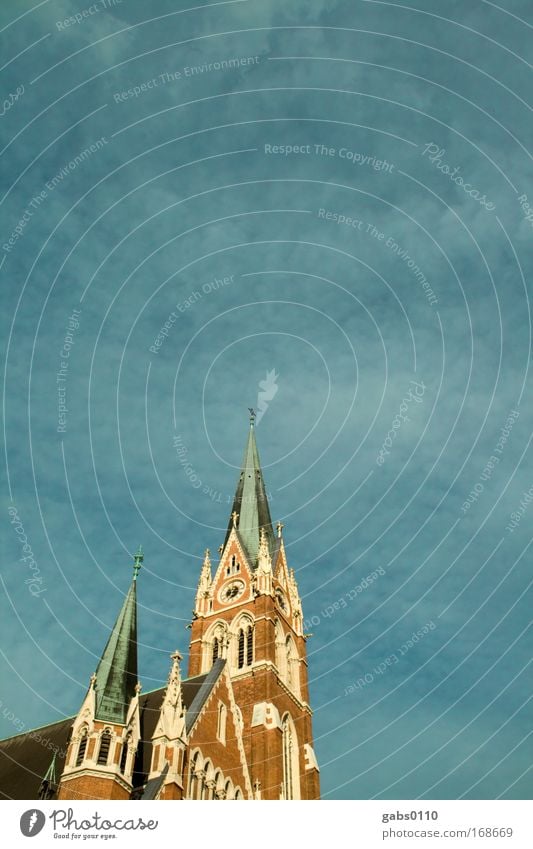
(352,824)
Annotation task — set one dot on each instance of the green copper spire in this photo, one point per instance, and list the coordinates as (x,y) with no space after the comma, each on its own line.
(116,674)
(48,786)
(250,511)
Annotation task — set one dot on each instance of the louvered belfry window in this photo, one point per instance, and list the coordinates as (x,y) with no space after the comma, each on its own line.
(82,748)
(240,663)
(105,744)
(124,756)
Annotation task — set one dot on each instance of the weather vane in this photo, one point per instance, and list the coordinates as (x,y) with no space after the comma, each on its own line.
(252,415)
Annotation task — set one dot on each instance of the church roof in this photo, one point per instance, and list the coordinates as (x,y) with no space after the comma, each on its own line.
(251,502)
(116,674)
(25,759)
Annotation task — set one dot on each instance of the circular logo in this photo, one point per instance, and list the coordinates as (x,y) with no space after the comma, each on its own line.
(32,822)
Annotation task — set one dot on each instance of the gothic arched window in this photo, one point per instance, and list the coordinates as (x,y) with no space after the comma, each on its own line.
(219,785)
(105,745)
(241,642)
(244,652)
(208,788)
(124,753)
(216,648)
(288,649)
(82,747)
(291,763)
(221,722)
(195,773)
(292,666)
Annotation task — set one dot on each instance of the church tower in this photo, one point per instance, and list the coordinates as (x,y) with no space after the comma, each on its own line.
(106,732)
(249,613)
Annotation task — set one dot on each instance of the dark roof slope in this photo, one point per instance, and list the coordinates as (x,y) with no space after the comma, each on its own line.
(24,759)
(203,693)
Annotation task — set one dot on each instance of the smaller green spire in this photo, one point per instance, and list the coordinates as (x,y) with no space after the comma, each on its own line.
(51,771)
(116,673)
(48,786)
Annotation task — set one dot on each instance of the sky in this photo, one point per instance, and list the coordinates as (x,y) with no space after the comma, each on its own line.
(322,210)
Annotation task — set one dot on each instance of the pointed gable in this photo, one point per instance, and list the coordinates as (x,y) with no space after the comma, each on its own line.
(225,751)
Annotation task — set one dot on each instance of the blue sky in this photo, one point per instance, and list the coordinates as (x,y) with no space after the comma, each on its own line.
(207,161)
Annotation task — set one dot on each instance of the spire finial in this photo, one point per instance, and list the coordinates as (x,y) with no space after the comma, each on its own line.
(279,528)
(138,558)
(252,416)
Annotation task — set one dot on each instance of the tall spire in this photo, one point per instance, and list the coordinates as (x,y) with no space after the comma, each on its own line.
(116,674)
(250,511)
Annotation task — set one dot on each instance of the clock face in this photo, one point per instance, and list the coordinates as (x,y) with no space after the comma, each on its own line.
(280,598)
(231,591)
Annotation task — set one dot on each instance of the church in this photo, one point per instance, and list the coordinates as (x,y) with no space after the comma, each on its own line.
(237,727)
